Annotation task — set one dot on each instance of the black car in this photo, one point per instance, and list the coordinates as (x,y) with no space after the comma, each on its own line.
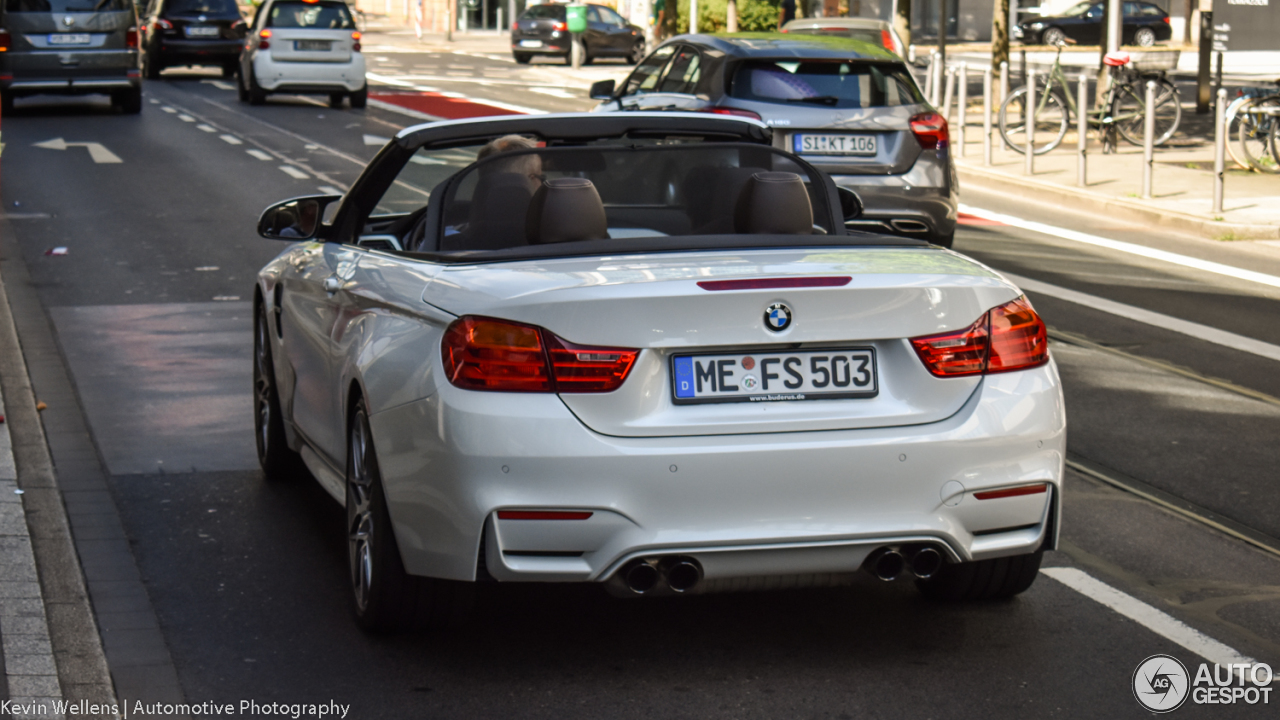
(1144,25)
(191,32)
(544,30)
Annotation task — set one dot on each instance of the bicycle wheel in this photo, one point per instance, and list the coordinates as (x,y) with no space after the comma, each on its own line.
(1275,143)
(1255,135)
(1129,109)
(1233,130)
(1051,121)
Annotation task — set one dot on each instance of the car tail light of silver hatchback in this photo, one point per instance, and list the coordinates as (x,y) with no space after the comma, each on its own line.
(930,130)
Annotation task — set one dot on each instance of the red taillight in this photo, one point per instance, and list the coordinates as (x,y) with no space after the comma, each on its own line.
(131,37)
(355,37)
(731,111)
(773,283)
(887,41)
(930,130)
(543,515)
(1009,337)
(263,39)
(1166,19)
(515,26)
(499,355)
(4,40)
(1011,492)
(559,26)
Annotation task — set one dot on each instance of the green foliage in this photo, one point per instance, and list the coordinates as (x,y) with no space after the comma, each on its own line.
(753,15)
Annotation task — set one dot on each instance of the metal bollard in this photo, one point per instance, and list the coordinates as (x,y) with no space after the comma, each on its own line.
(986,115)
(1004,81)
(938,71)
(1029,123)
(1082,128)
(962,102)
(1219,148)
(928,79)
(1148,139)
(948,93)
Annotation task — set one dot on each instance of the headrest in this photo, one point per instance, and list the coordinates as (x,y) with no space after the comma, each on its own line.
(566,210)
(773,203)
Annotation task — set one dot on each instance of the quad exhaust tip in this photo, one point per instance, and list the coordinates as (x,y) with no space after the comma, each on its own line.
(679,574)
(682,574)
(888,563)
(641,577)
(925,563)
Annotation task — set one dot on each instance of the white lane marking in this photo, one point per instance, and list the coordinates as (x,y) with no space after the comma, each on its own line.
(258,154)
(387,80)
(206,128)
(168,109)
(231,139)
(154,101)
(1142,315)
(391,107)
(329,190)
(1131,248)
(1154,620)
(220,84)
(293,172)
(97,151)
(186,118)
(553,92)
(207,268)
(375,140)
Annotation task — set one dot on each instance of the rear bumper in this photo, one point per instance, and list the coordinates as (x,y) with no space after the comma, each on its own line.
(196,52)
(742,505)
(922,202)
(73,72)
(555,46)
(304,77)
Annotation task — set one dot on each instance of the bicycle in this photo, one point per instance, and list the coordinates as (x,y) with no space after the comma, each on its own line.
(1254,118)
(1122,111)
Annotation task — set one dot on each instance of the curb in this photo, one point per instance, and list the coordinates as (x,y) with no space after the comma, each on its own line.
(1031,189)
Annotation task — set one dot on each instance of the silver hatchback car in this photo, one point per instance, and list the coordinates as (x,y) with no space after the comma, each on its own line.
(849,107)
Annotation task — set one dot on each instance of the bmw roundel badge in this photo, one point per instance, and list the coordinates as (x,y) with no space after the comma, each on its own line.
(777,317)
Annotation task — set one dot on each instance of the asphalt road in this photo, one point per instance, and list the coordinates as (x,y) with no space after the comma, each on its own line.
(247,579)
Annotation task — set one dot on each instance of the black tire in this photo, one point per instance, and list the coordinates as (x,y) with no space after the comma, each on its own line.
(1129,103)
(984,579)
(277,460)
(241,91)
(229,70)
(335,100)
(257,96)
(1144,37)
(1255,136)
(522,58)
(384,597)
(360,98)
(637,53)
(1051,121)
(1053,36)
(587,58)
(151,65)
(129,101)
(6,103)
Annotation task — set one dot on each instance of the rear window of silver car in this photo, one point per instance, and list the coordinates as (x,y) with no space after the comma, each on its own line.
(65,6)
(319,16)
(825,83)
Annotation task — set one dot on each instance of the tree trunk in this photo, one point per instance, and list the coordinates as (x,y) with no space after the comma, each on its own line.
(731,17)
(999,36)
(902,20)
(671,13)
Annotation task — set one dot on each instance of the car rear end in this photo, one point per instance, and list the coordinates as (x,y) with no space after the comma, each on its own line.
(197,32)
(68,47)
(541,30)
(866,123)
(310,47)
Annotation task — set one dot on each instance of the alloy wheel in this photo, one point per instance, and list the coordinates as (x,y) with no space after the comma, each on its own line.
(360,520)
(262,382)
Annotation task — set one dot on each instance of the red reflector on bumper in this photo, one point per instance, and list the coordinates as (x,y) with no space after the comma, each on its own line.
(769,283)
(1011,492)
(542,515)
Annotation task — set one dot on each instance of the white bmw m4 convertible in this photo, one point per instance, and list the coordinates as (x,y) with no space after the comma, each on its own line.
(641,350)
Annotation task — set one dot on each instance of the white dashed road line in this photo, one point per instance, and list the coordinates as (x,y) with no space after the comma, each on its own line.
(168,109)
(1142,315)
(1131,248)
(186,118)
(258,154)
(231,139)
(1154,620)
(205,128)
(293,172)
(327,190)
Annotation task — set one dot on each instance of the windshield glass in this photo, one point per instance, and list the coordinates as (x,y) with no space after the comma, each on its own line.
(522,194)
(830,83)
(65,6)
(194,7)
(321,16)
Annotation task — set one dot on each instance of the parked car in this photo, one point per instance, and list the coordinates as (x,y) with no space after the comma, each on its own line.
(303,47)
(544,30)
(641,350)
(876,32)
(848,107)
(192,33)
(70,47)
(1144,24)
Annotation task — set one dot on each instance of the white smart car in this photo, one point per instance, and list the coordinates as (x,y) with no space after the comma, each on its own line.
(641,349)
(303,47)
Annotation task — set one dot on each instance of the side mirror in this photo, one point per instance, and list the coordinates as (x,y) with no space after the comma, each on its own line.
(602,90)
(850,205)
(296,219)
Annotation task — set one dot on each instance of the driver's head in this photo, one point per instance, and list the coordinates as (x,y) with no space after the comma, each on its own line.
(527,164)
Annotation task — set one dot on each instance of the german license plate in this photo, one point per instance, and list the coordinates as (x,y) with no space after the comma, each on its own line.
(832,144)
(772,377)
(312,45)
(69,39)
(530,43)
(201,31)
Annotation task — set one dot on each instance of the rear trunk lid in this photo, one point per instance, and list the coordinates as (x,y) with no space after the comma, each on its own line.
(656,303)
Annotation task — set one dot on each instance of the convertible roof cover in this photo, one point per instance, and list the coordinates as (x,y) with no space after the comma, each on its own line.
(585,127)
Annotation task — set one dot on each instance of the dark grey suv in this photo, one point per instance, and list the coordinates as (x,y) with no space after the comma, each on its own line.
(71,47)
(850,108)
